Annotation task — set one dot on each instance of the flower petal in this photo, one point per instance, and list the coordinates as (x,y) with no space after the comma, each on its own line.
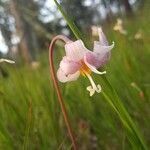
(102,37)
(75,50)
(100,49)
(63,78)
(96,60)
(102,52)
(93,59)
(69,66)
(92,67)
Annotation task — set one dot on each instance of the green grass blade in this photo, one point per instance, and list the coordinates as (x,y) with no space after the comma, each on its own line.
(122,112)
(70,23)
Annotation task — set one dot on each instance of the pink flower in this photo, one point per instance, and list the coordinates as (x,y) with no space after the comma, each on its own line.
(80,60)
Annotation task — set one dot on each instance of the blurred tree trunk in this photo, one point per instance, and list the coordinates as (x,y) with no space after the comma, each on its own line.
(20,29)
(31,11)
(127,7)
(82,15)
(5,25)
(6,35)
(119,7)
(108,11)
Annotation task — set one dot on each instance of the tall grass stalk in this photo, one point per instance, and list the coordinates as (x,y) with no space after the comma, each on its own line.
(28,126)
(133,134)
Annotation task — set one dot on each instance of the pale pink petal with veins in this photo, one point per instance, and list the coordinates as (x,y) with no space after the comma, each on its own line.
(75,50)
(62,77)
(102,37)
(101,49)
(69,66)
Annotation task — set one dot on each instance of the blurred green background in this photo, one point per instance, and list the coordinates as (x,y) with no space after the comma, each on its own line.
(30,116)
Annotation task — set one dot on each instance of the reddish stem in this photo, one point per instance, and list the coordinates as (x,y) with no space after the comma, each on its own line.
(55,81)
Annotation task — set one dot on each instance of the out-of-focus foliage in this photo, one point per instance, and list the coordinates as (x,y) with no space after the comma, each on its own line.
(30,116)
(26,31)
(83,19)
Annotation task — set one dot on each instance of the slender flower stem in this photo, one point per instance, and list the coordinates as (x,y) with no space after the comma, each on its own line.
(55,81)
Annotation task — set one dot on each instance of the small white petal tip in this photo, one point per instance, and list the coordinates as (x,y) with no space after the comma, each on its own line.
(6,60)
(104,72)
(100,29)
(98,72)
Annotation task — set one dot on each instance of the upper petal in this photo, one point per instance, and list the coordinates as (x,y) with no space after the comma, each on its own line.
(101,49)
(62,77)
(102,38)
(102,55)
(75,50)
(102,52)
(69,66)
(93,62)
(93,59)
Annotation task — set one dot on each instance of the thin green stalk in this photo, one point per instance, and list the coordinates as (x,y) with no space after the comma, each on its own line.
(71,24)
(6,136)
(123,112)
(133,133)
(28,126)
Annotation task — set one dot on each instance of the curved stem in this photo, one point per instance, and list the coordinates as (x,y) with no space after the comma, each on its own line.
(55,81)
